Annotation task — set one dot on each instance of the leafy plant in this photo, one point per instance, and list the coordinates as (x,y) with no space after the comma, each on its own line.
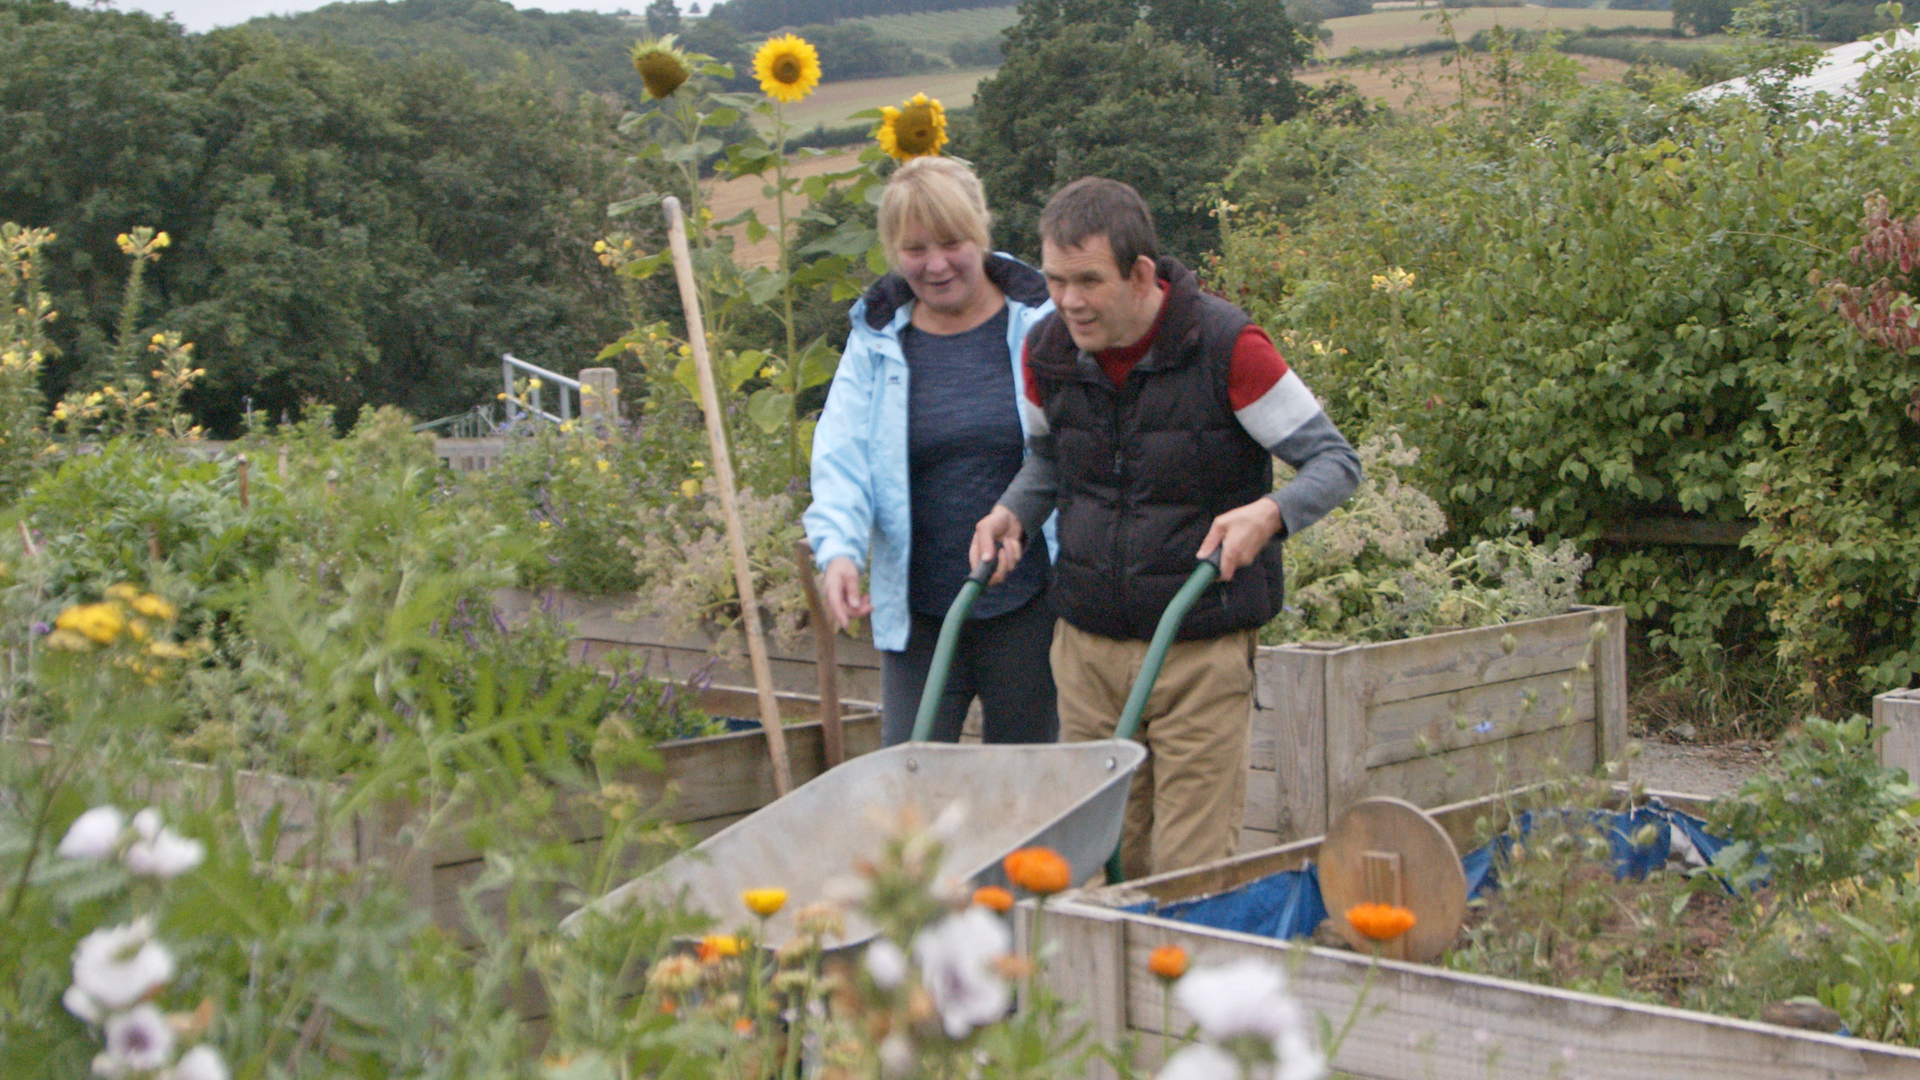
(1367,572)
(1829,812)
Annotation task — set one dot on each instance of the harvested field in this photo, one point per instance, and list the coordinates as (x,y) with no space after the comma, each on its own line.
(1411,26)
(1420,82)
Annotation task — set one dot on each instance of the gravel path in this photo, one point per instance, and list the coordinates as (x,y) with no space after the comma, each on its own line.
(1697,768)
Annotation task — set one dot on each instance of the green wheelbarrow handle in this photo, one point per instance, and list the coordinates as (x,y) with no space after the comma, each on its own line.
(1170,620)
(943,649)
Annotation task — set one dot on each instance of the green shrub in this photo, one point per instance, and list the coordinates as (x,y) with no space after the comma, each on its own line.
(1610,320)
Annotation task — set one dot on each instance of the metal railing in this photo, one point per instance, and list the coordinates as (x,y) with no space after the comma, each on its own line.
(475,423)
(538,379)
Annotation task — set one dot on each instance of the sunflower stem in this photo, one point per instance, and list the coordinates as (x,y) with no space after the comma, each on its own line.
(786,292)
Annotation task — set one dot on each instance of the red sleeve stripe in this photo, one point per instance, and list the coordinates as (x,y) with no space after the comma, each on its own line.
(1032,417)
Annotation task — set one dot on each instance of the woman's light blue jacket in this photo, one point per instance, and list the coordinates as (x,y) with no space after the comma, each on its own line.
(861,506)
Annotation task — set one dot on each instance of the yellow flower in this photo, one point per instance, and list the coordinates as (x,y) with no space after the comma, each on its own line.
(154,607)
(689,488)
(600,465)
(68,640)
(662,67)
(122,592)
(788,68)
(717,947)
(167,650)
(916,129)
(1395,280)
(161,240)
(764,902)
(99,623)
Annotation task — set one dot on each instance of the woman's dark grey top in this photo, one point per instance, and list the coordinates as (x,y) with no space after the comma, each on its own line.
(964,446)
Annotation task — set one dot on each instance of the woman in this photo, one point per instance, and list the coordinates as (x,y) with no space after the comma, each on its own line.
(922,432)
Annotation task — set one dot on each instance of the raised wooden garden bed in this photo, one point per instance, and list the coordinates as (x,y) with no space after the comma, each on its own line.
(711,783)
(1431,719)
(602,626)
(1419,1022)
(1896,727)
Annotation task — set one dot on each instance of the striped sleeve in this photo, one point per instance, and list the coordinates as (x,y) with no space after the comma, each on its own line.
(1282,415)
(1032,415)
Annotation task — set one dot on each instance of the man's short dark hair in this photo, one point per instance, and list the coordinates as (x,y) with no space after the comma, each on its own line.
(1096,206)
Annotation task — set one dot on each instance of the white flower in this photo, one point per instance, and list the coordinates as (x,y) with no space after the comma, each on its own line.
(1248,999)
(138,1040)
(1200,1061)
(947,824)
(94,834)
(147,823)
(887,964)
(81,1005)
(118,967)
(957,957)
(165,855)
(202,1062)
(896,1054)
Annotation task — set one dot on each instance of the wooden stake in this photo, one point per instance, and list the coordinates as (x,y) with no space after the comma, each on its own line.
(832,738)
(242,464)
(723,472)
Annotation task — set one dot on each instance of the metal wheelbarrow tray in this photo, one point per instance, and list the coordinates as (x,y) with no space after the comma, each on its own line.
(1065,796)
(1070,797)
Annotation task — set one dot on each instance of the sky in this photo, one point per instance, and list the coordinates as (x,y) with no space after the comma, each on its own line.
(202,15)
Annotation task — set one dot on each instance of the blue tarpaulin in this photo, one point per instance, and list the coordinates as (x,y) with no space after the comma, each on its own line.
(1288,904)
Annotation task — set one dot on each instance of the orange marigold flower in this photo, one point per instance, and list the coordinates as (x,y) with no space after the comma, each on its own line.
(1381,922)
(743,1026)
(718,947)
(993,898)
(1038,870)
(764,902)
(1168,962)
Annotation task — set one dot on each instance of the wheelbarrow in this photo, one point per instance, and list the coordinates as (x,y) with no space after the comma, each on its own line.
(1070,797)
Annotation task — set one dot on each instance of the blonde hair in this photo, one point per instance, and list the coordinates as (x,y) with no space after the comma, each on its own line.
(942,195)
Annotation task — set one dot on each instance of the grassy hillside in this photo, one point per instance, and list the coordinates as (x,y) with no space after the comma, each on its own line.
(832,103)
(936,31)
(579,49)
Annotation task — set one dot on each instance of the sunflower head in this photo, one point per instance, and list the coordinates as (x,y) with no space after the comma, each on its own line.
(917,128)
(788,68)
(662,67)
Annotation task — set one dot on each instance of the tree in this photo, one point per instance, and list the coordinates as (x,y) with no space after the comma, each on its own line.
(1700,17)
(1252,40)
(663,17)
(1156,114)
(345,230)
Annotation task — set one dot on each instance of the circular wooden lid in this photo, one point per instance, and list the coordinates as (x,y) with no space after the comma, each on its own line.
(1372,836)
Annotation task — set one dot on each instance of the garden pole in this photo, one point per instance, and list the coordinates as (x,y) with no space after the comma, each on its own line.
(825,658)
(723,473)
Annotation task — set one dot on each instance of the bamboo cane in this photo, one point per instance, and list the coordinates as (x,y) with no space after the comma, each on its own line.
(723,472)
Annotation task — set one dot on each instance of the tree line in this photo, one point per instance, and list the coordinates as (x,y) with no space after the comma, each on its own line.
(346,229)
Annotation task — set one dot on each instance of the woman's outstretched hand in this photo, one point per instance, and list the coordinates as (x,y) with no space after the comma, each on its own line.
(840,586)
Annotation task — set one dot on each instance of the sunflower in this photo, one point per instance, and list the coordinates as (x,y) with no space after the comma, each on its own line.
(662,67)
(788,68)
(916,129)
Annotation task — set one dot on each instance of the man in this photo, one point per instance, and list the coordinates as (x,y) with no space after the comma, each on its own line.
(1155,412)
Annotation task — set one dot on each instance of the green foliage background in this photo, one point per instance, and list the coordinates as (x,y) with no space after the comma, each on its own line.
(1612,320)
(346,230)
